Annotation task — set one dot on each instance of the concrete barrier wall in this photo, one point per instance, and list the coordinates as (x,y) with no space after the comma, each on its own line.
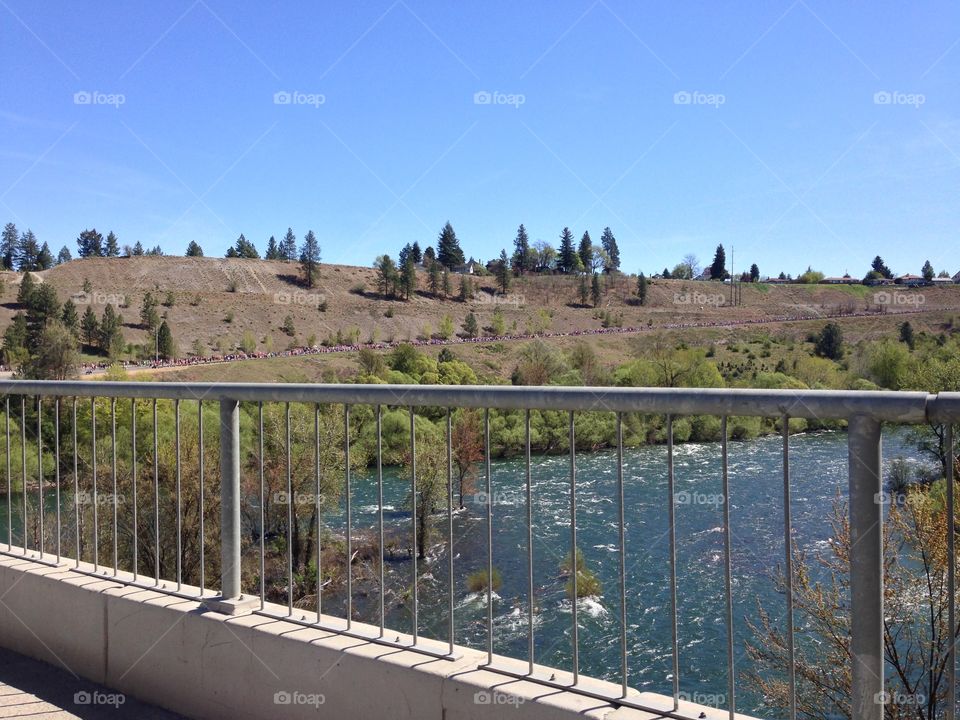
(173,653)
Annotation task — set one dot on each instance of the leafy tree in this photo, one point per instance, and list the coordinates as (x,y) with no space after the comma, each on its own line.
(194,249)
(879,266)
(596,291)
(416,253)
(64,255)
(69,317)
(446,327)
(718,268)
(273,251)
(27,252)
(502,271)
(8,245)
(112,248)
(810,277)
(90,244)
(45,259)
(521,251)
(642,288)
(544,255)
(585,251)
(682,271)
(467,448)
(754,273)
(288,247)
(928,272)
(567,255)
(470,325)
(165,346)
(310,259)
(829,343)
(906,334)
(449,252)
(609,243)
(90,327)
(497,323)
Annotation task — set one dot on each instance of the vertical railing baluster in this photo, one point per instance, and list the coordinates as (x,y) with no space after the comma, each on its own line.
(951,580)
(203,574)
(316,457)
(156,497)
(93,480)
(56,468)
(346,463)
(263,513)
(23,467)
(76,485)
(230,569)
(380,511)
(113,475)
(9,481)
(575,630)
(40,508)
(866,567)
(486,453)
(622,539)
(531,654)
(133,482)
(176,423)
(413,509)
(451,630)
(788,567)
(290,513)
(672,522)
(728,571)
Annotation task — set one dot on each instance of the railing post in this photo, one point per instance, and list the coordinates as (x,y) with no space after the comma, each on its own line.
(230,601)
(866,567)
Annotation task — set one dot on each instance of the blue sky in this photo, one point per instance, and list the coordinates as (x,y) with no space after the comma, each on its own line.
(797,131)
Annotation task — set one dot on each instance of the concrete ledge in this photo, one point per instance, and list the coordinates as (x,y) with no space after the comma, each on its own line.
(174,653)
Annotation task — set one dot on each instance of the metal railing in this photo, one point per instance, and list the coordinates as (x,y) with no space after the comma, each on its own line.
(864,412)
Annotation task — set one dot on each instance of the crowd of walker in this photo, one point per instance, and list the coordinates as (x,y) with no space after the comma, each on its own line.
(237,356)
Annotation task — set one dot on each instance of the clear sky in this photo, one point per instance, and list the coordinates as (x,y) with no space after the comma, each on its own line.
(797,131)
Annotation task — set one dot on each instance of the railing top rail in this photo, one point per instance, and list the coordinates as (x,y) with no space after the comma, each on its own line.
(906,407)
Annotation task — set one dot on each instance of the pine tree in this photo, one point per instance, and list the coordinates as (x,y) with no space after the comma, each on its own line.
(27,252)
(928,272)
(449,252)
(596,291)
(754,273)
(27,287)
(566,258)
(416,253)
(880,267)
(502,271)
(243,249)
(642,288)
(194,249)
(45,259)
(585,251)
(8,245)
(112,248)
(408,280)
(445,284)
(405,252)
(584,290)
(609,244)
(718,268)
(470,325)
(521,251)
(310,259)
(288,247)
(466,289)
(273,252)
(42,307)
(433,278)
(69,317)
(90,244)
(429,256)
(137,248)
(149,318)
(90,327)
(165,345)
(666,274)
(64,255)
(386,276)
(111,333)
